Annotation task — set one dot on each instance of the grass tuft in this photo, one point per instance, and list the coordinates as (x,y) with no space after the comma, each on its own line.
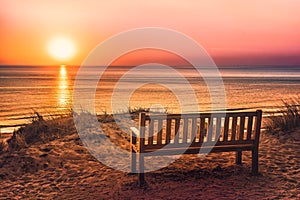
(288,118)
(46,128)
(3,146)
(41,131)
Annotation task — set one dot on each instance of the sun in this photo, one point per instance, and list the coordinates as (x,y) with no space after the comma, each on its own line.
(61,48)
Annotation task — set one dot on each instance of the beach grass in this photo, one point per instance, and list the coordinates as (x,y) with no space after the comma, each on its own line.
(40,131)
(288,118)
(46,128)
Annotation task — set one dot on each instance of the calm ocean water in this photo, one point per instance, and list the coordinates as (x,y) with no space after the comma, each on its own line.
(48,90)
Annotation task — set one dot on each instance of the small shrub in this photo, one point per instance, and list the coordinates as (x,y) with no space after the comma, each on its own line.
(135,111)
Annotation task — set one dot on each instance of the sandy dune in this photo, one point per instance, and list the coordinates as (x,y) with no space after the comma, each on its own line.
(62,168)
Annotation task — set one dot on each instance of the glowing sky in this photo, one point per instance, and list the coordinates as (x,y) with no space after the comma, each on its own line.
(234,32)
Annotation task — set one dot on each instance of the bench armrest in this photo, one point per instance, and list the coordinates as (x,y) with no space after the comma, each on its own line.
(134,131)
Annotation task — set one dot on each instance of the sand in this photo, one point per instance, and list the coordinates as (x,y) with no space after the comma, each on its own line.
(62,168)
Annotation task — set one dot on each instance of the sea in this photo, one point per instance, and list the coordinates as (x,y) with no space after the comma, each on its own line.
(49,90)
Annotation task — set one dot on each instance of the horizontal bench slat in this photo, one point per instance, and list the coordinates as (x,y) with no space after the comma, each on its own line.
(197,115)
(196,150)
(187,145)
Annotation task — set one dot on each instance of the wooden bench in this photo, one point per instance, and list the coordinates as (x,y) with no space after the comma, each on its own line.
(175,134)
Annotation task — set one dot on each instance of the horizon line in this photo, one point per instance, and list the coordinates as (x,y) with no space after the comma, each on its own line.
(77,65)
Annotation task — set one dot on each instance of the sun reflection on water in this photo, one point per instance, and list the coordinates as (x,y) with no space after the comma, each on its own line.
(63,93)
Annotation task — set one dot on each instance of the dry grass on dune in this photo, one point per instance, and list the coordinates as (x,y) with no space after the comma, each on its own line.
(42,131)
(288,118)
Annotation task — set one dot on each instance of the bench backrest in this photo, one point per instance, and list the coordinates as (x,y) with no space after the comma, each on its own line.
(156,131)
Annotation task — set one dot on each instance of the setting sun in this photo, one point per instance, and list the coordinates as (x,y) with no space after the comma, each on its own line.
(61,48)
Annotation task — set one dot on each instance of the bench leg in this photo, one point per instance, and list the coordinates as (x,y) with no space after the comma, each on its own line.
(133,162)
(255,161)
(141,170)
(239,157)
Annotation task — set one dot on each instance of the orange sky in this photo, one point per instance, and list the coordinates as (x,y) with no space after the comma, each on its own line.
(234,32)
